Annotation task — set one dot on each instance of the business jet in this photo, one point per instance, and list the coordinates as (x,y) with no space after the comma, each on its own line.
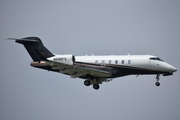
(94,69)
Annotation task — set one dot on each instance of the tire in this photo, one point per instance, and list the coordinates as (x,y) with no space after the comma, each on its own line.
(157,84)
(96,86)
(87,83)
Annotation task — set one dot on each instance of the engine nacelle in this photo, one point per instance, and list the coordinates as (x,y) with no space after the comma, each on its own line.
(65,59)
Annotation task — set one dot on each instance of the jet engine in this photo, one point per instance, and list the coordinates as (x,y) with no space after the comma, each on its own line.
(66,59)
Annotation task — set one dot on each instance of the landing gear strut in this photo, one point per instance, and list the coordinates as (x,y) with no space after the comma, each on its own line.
(157,78)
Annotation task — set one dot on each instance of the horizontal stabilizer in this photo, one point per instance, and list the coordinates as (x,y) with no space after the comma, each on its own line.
(25,40)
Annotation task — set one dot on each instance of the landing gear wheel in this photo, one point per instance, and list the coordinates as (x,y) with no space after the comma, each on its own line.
(96,86)
(157,84)
(87,83)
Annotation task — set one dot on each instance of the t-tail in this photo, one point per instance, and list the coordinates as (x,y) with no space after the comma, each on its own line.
(35,48)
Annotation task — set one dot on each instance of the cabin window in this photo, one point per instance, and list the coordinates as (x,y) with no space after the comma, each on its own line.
(116,62)
(122,61)
(110,61)
(129,61)
(103,62)
(96,62)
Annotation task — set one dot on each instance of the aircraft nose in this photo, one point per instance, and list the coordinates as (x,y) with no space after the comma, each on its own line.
(170,68)
(173,69)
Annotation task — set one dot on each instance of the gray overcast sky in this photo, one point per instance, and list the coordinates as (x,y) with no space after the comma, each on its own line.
(80,27)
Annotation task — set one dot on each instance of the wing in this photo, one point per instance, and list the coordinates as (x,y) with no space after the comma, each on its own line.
(76,71)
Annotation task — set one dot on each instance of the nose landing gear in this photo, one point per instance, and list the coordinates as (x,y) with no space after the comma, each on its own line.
(157,78)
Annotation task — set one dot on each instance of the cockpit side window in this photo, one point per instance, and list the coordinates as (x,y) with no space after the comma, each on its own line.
(152,58)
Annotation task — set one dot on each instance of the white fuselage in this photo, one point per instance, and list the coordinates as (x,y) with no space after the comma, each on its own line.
(138,61)
(118,65)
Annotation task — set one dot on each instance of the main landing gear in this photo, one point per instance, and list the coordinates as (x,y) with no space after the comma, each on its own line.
(157,78)
(87,83)
(95,85)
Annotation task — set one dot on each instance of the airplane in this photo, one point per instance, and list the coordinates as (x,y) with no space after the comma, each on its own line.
(94,70)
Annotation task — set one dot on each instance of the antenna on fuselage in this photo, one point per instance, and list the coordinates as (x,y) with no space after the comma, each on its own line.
(128,53)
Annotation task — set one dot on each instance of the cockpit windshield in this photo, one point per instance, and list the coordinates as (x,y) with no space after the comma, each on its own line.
(159,59)
(156,58)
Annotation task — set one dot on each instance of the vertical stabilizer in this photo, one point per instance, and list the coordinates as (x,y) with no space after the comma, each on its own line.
(35,48)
